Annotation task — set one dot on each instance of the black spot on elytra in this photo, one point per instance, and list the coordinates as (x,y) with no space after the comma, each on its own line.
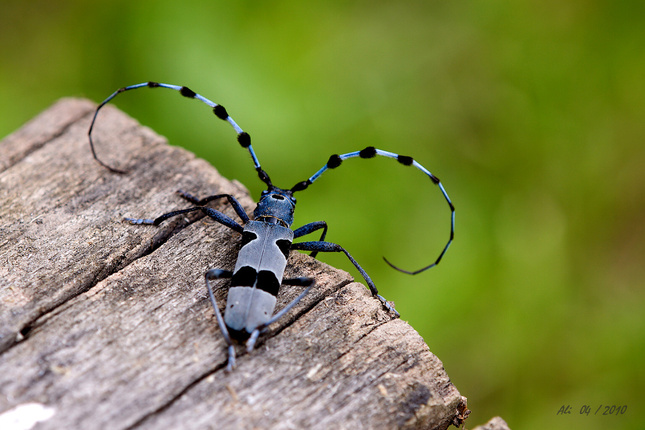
(245,277)
(268,282)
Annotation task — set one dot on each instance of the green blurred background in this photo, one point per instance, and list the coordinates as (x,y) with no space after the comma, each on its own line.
(531,112)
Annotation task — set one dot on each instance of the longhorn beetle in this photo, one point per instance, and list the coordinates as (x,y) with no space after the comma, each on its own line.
(268,238)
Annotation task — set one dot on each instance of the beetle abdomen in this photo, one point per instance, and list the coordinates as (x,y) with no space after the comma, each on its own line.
(246,309)
(257,277)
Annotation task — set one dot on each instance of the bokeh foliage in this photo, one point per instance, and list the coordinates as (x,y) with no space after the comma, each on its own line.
(531,112)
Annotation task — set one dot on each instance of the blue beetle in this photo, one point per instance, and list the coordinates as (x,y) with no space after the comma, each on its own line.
(268,238)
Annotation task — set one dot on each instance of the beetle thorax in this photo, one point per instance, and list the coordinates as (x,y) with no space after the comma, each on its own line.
(276,206)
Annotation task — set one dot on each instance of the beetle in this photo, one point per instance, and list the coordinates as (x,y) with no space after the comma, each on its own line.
(268,238)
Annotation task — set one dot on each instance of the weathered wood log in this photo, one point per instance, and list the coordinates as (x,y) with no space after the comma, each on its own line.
(496,423)
(108,325)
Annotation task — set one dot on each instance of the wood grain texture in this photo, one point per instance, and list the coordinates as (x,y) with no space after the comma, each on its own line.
(108,325)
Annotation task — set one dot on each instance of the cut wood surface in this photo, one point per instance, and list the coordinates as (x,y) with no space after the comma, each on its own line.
(106,325)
